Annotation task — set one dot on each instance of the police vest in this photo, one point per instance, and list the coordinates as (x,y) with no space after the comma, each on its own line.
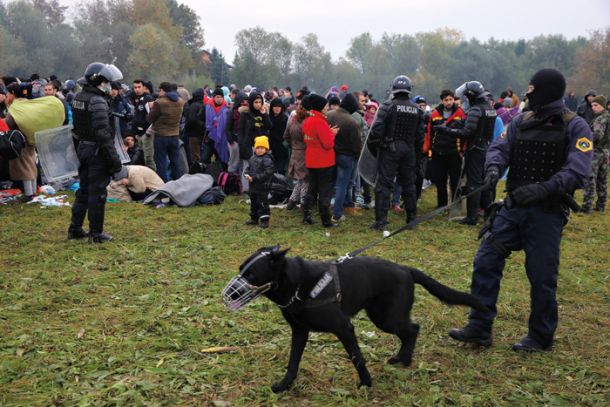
(538,153)
(485,129)
(404,118)
(81,116)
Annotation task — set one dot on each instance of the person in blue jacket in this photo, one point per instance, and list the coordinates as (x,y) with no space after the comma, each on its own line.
(549,150)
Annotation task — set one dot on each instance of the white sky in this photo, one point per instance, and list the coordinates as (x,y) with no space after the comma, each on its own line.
(336,22)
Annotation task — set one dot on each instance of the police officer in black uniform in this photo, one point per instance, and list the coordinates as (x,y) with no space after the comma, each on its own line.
(549,152)
(477,133)
(95,150)
(398,133)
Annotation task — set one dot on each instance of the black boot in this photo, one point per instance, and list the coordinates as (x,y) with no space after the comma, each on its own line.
(410,217)
(528,344)
(307,217)
(99,238)
(472,210)
(76,232)
(470,334)
(291,205)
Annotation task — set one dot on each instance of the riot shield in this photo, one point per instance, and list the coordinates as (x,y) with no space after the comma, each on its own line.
(367,164)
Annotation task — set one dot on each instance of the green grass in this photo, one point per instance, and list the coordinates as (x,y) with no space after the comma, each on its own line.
(125,323)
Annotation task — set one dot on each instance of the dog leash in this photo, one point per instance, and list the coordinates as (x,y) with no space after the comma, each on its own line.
(410,225)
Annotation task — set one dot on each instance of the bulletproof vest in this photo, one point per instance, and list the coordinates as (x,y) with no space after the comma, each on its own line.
(485,130)
(538,152)
(404,118)
(81,117)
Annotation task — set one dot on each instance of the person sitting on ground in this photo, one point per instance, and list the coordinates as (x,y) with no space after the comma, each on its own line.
(133,183)
(136,155)
(259,174)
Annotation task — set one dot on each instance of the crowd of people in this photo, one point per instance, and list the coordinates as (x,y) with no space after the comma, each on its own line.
(327,143)
(221,124)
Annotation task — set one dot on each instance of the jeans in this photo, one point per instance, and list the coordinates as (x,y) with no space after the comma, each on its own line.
(167,147)
(343,196)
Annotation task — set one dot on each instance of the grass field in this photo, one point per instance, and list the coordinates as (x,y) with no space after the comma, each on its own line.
(126,323)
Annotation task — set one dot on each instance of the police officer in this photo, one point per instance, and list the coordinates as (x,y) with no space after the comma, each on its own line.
(549,151)
(96,152)
(477,134)
(398,133)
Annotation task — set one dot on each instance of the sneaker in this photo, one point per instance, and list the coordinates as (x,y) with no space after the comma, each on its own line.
(469,334)
(337,220)
(77,233)
(529,344)
(99,238)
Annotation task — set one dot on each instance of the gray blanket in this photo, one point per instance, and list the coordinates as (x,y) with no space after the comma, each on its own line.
(184,191)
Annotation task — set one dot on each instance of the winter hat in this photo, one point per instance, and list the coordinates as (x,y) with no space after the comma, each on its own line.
(333,100)
(344,88)
(261,141)
(317,102)
(305,102)
(122,173)
(600,100)
(218,92)
(549,86)
(350,103)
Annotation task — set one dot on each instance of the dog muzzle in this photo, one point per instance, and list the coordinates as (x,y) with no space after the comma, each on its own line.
(239,292)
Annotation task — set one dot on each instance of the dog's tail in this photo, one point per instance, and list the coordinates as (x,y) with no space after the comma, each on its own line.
(446,294)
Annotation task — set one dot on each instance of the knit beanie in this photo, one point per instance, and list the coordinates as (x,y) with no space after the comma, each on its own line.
(218,92)
(333,100)
(317,102)
(600,100)
(261,141)
(350,103)
(549,86)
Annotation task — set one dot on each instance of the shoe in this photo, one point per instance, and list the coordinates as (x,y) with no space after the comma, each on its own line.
(264,224)
(397,209)
(291,205)
(599,209)
(251,222)
(586,210)
(337,220)
(469,334)
(77,233)
(468,221)
(529,344)
(411,217)
(351,210)
(99,238)
(26,198)
(379,225)
(330,224)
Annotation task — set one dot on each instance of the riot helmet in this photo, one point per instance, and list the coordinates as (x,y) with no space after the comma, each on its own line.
(401,84)
(473,90)
(98,72)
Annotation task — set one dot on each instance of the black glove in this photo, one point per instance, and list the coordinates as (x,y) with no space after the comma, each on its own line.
(491,176)
(529,194)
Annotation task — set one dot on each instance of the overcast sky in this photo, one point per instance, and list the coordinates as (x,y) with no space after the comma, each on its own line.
(336,22)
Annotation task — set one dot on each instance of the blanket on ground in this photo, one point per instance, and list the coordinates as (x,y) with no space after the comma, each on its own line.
(184,191)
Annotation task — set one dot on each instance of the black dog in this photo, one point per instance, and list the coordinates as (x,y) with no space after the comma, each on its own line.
(321,296)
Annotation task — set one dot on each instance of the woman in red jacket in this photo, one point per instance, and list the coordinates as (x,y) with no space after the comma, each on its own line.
(319,140)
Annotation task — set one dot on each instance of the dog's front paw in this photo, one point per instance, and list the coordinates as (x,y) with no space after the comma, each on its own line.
(281,386)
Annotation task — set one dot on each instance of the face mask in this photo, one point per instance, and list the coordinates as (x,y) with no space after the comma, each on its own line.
(105,87)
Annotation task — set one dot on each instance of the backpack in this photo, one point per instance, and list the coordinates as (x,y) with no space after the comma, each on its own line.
(230,183)
(11,144)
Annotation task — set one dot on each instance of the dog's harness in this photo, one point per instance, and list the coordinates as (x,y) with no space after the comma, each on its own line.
(312,300)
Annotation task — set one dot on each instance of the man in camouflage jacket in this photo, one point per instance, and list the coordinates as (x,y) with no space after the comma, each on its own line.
(599,174)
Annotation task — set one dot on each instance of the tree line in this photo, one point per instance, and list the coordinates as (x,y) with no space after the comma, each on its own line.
(164,40)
